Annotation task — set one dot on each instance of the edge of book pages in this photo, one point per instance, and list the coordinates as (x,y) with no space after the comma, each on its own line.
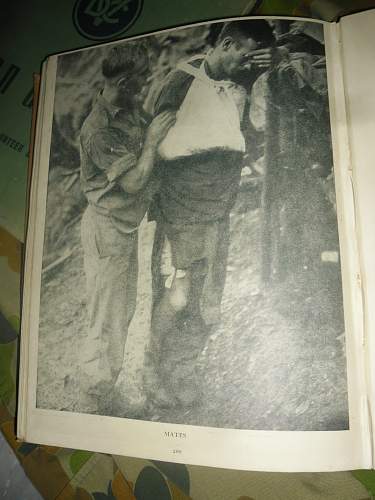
(239,449)
(359,76)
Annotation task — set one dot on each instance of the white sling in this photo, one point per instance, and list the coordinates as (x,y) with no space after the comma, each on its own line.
(208,118)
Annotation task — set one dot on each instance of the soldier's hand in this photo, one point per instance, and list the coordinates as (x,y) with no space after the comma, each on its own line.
(159,127)
(263,58)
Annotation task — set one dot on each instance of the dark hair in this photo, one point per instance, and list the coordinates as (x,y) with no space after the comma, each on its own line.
(256,29)
(125,59)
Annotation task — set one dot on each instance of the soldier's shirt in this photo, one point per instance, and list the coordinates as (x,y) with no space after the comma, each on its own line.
(200,188)
(111,142)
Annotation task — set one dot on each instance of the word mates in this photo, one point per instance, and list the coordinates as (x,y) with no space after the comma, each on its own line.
(172,434)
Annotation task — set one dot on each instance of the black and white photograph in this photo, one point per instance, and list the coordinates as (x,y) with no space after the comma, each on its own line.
(191,261)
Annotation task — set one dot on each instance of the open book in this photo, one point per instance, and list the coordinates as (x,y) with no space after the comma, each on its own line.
(198,271)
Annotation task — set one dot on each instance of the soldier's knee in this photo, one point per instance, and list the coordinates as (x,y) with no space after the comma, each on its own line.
(178,300)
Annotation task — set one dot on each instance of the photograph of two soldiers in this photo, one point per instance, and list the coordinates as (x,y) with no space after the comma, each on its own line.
(191,269)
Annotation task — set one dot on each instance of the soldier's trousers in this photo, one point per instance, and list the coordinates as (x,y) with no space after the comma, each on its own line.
(110,262)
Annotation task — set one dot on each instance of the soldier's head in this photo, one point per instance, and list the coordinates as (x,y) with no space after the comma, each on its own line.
(126,68)
(237,40)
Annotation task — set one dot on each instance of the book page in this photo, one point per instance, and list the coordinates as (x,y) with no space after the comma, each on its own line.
(192,290)
(357,35)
